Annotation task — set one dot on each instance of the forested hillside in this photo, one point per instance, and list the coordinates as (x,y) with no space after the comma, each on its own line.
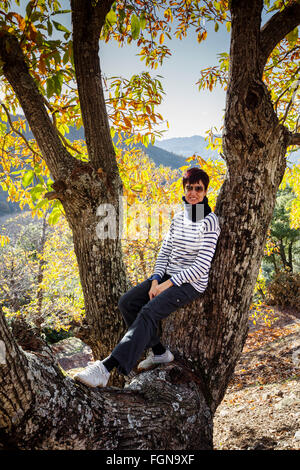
(158,155)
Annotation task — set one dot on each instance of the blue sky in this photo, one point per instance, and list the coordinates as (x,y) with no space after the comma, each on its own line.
(188,110)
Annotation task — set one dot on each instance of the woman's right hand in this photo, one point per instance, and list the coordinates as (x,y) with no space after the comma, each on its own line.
(152,291)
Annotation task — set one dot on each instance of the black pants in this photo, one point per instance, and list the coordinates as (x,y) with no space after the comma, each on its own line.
(142,317)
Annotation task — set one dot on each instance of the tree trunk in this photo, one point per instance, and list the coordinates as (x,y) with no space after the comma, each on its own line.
(282,254)
(290,251)
(40,293)
(274,262)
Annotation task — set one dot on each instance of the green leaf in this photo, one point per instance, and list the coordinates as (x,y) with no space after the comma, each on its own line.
(145,140)
(228,26)
(36,192)
(49,184)
(29,7)
(41,180)
(50,85)
(3,128)
(54,216)
(27,178)
(121,16)
(216,27)
(66,57)
(111,18)
(41,204)
(49,27)
(142,20)
(60,12)
(56,56)
(135,26)
(137,187)
(58,81)
(60,27)
(292,37)
(112,132)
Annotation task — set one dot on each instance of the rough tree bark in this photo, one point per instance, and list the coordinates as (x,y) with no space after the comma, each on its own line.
(170,407)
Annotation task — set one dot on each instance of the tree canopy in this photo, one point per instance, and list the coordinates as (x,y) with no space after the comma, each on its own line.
(47,46)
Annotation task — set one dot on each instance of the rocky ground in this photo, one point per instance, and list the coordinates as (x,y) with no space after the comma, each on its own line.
(261,409)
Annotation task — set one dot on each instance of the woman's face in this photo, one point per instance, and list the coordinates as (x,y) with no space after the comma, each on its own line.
(194,193)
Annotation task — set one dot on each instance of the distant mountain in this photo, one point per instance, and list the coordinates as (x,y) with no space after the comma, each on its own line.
(187,146)
(163,157)
(159,155)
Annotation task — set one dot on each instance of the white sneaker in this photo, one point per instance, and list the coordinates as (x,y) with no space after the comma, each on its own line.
(94,375)
(152,360)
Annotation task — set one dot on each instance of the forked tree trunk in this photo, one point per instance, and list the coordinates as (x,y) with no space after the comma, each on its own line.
(42,408)
(170,407)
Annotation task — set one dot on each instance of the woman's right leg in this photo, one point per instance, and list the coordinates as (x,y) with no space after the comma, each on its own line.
(131,303)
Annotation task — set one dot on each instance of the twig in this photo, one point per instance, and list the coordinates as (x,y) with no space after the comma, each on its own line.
(18,132)
(48,105)
(285,55)
(284,91)
(291,101)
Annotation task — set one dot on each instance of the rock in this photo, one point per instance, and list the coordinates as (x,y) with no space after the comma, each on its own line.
(291,400)
(240,408)
(72,353)
(266,396)
(297,435)
(224,413)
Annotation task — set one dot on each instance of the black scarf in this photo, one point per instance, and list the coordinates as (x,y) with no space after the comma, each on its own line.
(196,212)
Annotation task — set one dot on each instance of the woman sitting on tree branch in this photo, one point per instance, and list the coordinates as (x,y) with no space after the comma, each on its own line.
(180,277)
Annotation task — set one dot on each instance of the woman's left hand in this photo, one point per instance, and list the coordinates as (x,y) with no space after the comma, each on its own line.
(163,286)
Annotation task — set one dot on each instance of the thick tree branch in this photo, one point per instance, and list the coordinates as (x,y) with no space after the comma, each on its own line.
(87,23)
(244,47)
(276,29)
(17,73)
(295,139)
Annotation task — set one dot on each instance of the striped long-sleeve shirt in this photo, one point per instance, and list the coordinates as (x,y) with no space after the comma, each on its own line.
(187,250)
